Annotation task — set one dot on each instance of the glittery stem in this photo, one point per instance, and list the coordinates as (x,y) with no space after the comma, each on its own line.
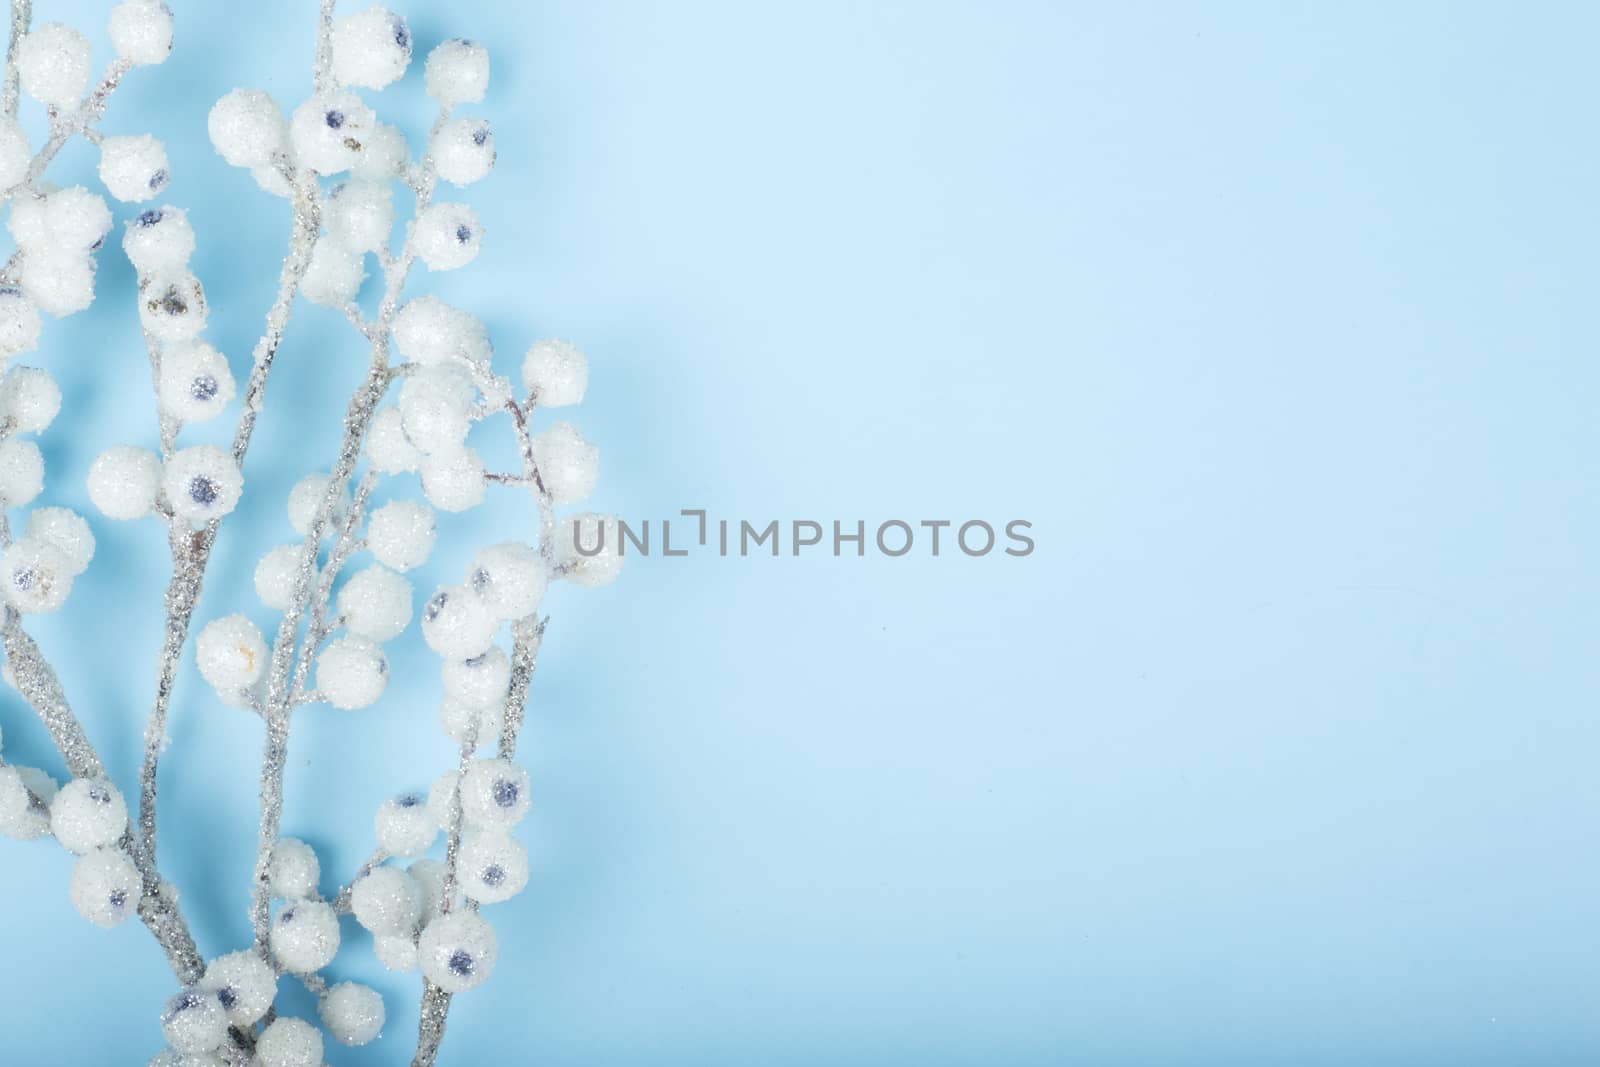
(433,1014)
(526,636)
(87,114)
(36,680)
(21,16)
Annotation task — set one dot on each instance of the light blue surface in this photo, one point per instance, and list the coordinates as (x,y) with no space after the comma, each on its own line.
(1276,320)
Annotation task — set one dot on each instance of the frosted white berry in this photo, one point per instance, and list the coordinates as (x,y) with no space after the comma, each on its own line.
(448,236)
(403,826)
(134,169)
(401,534)
(568,465)
(202,483)
(25,797)
(371,49)
(453,479)
(194,1021)
(383,154)
(293,870)
(555,373)
(30,398)
(195,383)
(53,64)
(352,673)
(105,887)
(15,153)
(159,240)
(387,446)
(141,31)
(307,498)
(36,576)
(587,551)
(457,952)
(510,578)
(66,530)
(479,682)
(275,576)
(244,984)
(334,275)
(246,128)
(21,471)
(124,481)
(289,1043)
(19,323)
(360,215)
(386,901)
(455,623)
(375,603)
(494,793)
(352,1013)
(327,131)
(429,331)
(231,655)
(493,866)
(432,411)
(457,72)
(442,796)
(396,953)
(75,220)
(305,936)
(172,305)
(58,283)
(463,151)
(88,813)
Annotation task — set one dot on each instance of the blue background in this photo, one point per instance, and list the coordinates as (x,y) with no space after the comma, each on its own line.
(1276,320)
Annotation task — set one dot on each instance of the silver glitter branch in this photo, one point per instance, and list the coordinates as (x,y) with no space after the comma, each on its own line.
(423,914)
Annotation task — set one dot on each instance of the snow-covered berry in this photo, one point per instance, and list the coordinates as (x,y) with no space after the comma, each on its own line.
(510,578)
(202,483)
(88,813)
(387,446)
(124,481)
(19,323)
(429,331)
(327,131)
(375,603)
(334,276)
(21,471)
(442,797)
(453,479)
(53,64)
(243,983)
(401,534)
(493,867)
(275,576)
(360,215)
(448,236)
(172,305)
(67,531)
(371,48)
(26,794)
(73,220)
(231,655)
(555,373)
(159,240)
(463,151)
(479,682)
(105,887)
(15,153)
(383,154)
(432,411)
(386,901)
(353,1013)
(58,283)
(195,383)
(293,870)
(194,1021)
(306,500)
(494,793)
(587,549)
(568,465)
(141,31)
(403,826)
(247,128)
(36,576)
(455,623)
(352,673)
(30,398)
(396,953)
(457,951)
(289,1043)
(134,169)
(457,72)
(305,936)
